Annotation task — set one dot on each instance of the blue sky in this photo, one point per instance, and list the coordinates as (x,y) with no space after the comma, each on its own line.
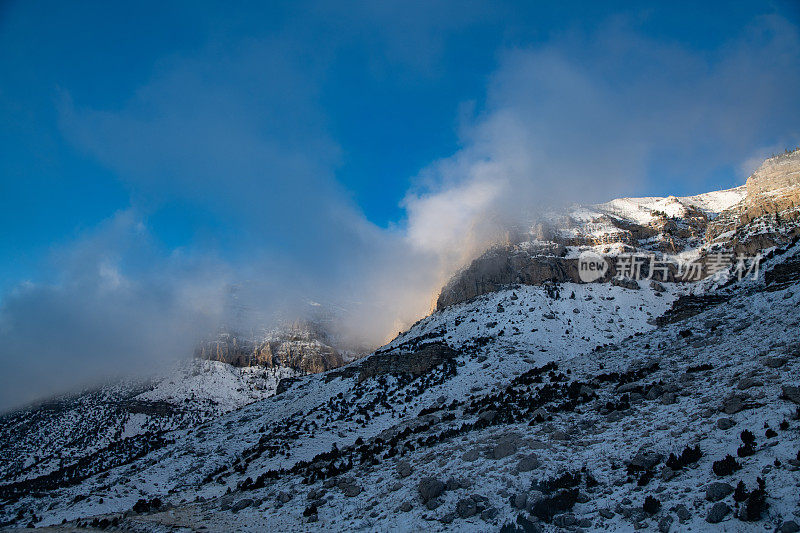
(162,150)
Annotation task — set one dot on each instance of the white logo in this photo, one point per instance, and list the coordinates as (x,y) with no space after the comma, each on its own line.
(591,266)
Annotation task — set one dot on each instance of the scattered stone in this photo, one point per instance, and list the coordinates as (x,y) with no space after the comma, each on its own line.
(430,488)
(404,469)
(470,455)
(717,490)
(606,513)
(284,497)
(746,383)
(682,512)
(665,523)
(790,526)
(725,423)
(528,463)
(489,514)
(718,512)
(656,286)
(241,504)
(505,448)
(406,507)
(351,490)
(791,393)
(466,508)
(732,405)
(775,362)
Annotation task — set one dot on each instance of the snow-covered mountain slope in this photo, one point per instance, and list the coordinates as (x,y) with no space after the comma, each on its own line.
(544,431)
(79,434)
(519,407)
(650,210)
(58,434)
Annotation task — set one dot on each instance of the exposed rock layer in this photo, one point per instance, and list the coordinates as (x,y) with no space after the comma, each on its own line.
(764,218)
(301,346)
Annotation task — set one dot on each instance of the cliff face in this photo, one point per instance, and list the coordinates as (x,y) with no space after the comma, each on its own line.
(774,188)
(302,346)
(744,220)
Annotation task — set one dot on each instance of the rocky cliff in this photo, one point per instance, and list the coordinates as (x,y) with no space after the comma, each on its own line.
(759,215)
(303,346)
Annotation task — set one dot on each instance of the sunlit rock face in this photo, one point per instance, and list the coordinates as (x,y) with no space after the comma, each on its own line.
(302,346)
(744,220)
(774,188)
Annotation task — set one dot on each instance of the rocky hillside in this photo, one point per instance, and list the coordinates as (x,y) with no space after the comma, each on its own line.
(744,220)
(547,405)
(303,346)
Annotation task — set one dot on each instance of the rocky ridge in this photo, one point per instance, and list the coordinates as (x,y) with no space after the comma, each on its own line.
(761,214)
(303,346)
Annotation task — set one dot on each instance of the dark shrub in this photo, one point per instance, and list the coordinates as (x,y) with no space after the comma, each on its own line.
(726,466)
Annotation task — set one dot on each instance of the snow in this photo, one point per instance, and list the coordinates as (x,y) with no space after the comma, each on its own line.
(231,425)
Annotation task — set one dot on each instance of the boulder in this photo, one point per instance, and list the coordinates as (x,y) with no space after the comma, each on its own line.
(404,469)
(430,488)
(646,460)
(725,423)
(791,393)
(789,526)
(504,448)
(466,507)
(716,491)
(528,463)
(732,405)
(683,512)
(241,504)
(718,512)
(470,455)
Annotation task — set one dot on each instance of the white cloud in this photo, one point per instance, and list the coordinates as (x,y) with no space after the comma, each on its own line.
(242,137)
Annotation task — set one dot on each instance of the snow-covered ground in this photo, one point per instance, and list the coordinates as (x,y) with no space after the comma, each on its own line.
(743,350)
(552,407)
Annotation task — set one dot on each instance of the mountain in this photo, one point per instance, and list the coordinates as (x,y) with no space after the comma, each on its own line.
(740,220)
(528,401)
(302,346)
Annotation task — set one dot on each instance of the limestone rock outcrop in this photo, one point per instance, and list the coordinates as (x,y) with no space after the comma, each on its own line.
(302,346)
(763,213)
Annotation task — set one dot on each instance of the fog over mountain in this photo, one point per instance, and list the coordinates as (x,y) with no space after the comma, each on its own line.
(236,128)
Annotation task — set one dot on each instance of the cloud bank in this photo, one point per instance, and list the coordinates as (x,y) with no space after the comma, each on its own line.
(238,134)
